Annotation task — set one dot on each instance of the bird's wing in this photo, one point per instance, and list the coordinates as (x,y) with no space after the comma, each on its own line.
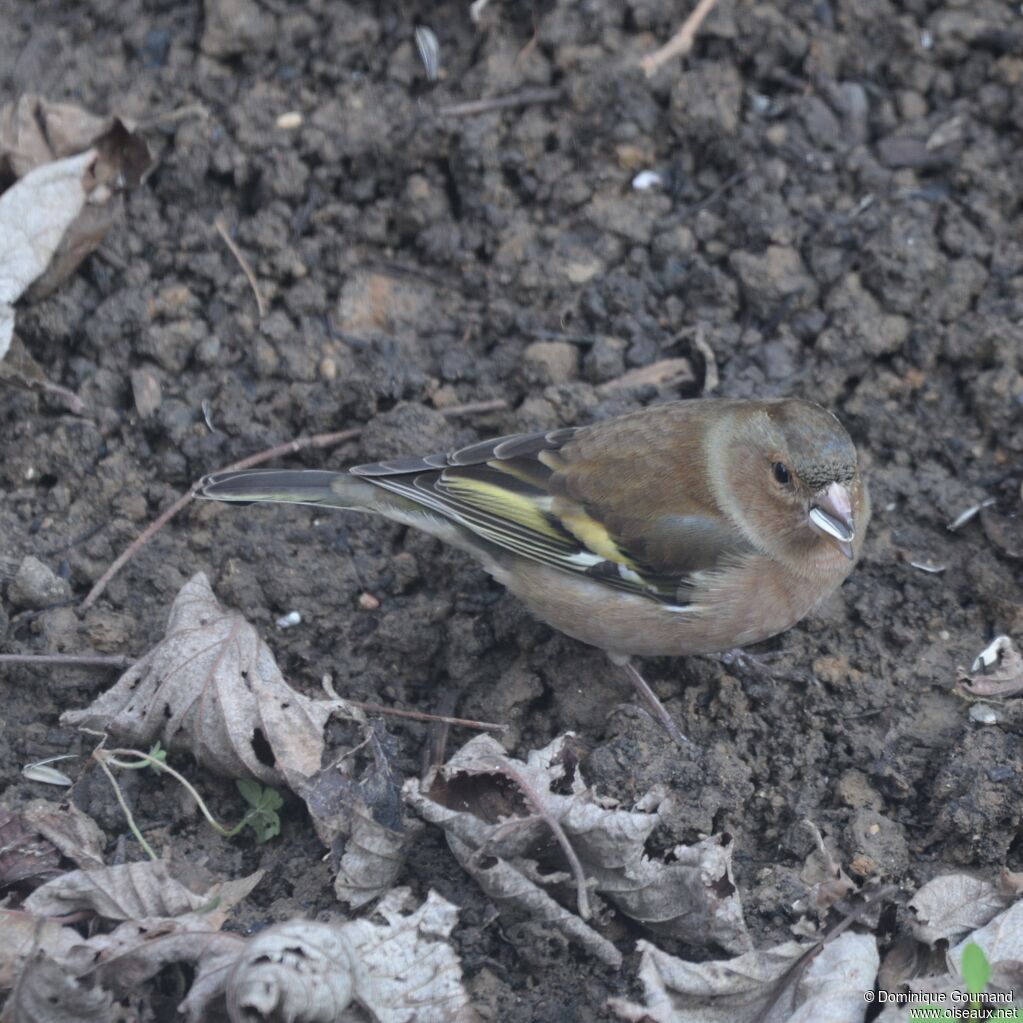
(515,492)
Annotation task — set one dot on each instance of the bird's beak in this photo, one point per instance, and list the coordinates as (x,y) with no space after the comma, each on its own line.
(831,515)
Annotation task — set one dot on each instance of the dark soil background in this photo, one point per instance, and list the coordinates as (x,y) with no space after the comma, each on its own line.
(840,218)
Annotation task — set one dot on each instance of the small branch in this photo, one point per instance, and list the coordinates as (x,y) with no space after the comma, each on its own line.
(525,98)
(74,404)
(418,715)
(85,660)
(222,230)
(681,42)
(534,799)
(319,440)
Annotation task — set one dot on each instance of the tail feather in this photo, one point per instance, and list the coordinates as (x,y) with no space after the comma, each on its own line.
(290,486)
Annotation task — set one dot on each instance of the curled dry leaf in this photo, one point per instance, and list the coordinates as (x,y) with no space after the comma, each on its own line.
(400,971)
(35,215)
(22,935)
(509,887)
(47,993)
(70,164)
(132,891)
(772,986)
(362,821)
(478,797)
(953,905)
(997,671)
(25,857)
(212,687)
(75,834)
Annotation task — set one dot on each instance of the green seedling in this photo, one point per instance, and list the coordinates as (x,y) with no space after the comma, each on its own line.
(976,973)
(263,817)
(264,801)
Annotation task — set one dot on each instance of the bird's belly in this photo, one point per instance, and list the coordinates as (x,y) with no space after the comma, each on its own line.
(733,608)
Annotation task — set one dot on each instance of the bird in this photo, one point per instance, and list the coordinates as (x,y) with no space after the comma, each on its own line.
(686,528)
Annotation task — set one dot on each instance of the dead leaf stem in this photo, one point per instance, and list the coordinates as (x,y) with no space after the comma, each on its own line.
(535,800)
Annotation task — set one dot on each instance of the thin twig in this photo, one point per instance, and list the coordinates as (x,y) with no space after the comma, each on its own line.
(418,715)
(74,404)
(319,440)
(222,230)
(681,42)
(534,799)
(524,98)
(85,660)
(147,848)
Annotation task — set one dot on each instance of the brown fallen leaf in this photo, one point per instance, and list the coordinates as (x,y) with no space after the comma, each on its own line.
(305,971)
(758,987)
(361,819)
(25,857)
(211,687)
(47,993)
(22,935)
(70,165)
(131,891)
(75,834)
(490,802)
(952,905)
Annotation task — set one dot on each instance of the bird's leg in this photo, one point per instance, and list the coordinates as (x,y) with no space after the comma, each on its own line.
(649,697)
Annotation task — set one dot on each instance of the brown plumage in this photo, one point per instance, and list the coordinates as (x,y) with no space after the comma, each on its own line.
(685,528)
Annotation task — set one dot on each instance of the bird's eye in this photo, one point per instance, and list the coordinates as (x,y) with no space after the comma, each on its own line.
(781,473)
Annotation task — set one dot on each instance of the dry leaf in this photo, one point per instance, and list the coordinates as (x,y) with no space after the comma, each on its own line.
(953,905)
(827,883)
(34,131)
(132,891)
(1001,939)
(24,856)
(997,671)
(758,987)
(474,798)
(509,887)
(47,993)
(35,215)
(362,821)
(22,935)
(212,687)
(401,971)
(75,834)
(137,950)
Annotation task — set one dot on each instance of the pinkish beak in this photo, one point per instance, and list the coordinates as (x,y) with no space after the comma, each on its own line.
(831,515)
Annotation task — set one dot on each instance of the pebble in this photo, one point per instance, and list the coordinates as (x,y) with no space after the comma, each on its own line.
(35,586)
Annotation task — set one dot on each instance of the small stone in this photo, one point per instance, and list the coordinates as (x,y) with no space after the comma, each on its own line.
(35,586)
(551,362)
(289,121)
(327,369)
(368,602)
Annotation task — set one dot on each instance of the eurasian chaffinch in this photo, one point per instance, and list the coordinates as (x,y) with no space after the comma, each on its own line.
(686,528)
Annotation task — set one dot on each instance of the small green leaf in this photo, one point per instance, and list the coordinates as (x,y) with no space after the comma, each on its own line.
(157,752)
(976,969)
(263,817)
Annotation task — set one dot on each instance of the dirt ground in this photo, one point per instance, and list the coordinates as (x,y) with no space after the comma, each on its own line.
(838,217)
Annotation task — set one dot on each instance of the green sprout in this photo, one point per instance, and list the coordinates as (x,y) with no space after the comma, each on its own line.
(263,817)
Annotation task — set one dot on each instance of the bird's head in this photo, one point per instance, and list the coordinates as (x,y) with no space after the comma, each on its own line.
(794,475)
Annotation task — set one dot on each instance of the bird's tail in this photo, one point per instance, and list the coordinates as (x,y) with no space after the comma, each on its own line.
(292,486)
